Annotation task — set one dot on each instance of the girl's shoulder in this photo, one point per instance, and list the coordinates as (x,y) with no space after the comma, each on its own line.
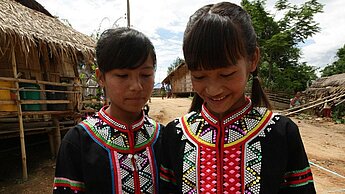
(283,126)
(174,127)
(176,122)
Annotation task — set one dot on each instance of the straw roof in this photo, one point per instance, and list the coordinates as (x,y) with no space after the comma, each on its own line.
(168,78)
(326,86)
(34,5)
(337,80)
(25,28)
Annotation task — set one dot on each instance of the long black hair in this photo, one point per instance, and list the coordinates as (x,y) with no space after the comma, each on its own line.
(216,36)
(123,47)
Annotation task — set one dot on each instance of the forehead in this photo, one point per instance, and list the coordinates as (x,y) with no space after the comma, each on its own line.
(230,68)
(148,64)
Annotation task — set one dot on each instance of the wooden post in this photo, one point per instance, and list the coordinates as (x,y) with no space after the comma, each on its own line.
(57,135)
(52,144)
(316,104)
(128,15)
(20,119)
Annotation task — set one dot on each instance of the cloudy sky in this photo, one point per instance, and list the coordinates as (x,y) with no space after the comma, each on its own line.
(164,21)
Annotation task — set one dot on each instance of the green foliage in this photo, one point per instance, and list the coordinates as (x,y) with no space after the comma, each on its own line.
(337,66)
(338,113)
(299,20)
(290,79)
(278,40)
(175,64)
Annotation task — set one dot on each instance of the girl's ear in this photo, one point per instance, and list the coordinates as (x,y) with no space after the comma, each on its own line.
(255,60)
(100,77)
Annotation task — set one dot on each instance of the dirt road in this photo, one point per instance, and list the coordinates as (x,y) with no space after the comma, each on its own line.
(324,143)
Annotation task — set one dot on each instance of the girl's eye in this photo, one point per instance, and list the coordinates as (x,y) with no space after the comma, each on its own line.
(121,75)
(146,75)
(227,75)
(198,77)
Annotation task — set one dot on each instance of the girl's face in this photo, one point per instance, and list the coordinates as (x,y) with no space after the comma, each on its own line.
(223,89)
(128,90)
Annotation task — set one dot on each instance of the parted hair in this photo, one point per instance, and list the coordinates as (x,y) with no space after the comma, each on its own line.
(217,36)
(123,48)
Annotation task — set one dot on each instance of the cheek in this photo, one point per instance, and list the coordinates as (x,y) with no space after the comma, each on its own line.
(197,86)
(148,83)
(114,86)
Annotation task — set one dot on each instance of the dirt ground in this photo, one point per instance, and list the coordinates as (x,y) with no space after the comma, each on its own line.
(324,142)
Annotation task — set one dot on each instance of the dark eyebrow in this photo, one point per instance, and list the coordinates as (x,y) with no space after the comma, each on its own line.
(146,67)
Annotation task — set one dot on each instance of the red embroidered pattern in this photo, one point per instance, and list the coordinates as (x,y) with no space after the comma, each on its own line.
(232,170)
(208,170)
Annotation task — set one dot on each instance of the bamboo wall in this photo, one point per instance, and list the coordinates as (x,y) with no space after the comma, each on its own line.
(39,93)
(181,81)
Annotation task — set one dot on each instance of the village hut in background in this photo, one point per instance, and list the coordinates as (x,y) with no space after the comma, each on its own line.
(330,90)
(326,86)
(39,80)
(324,92)
(180,81)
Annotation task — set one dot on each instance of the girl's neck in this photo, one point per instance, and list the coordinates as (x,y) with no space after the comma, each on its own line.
(240,103)
(126,117)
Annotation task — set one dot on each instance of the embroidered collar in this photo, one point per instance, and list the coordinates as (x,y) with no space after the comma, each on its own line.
(236,129)
(114,135)
(230,118)
(113,122)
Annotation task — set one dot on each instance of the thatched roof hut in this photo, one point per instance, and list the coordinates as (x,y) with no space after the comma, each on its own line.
(180,81)
(39,61)
(326,86)
(34,5)
(35,38)
(324,93)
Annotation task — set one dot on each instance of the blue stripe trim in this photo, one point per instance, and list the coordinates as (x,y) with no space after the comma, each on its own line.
(84,126)
(154,155)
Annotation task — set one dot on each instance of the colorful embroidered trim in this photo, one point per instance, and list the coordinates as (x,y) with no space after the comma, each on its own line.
(297,178)
(118,140)
(167,175)
(73,185)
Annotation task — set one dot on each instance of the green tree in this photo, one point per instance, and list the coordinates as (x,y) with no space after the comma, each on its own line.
(337,66)
(175,64)
(279,42)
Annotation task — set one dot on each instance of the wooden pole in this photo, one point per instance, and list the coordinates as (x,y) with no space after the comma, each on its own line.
(52,144)
(311,106)
(128,15)
(20,119)
(57,135)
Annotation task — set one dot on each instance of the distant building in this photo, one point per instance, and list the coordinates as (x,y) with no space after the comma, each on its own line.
(180,81)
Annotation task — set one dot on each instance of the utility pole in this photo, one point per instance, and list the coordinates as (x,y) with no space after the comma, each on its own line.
(128,15)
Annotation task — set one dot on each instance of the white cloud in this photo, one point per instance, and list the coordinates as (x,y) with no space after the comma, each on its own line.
(164,22)
(331,37)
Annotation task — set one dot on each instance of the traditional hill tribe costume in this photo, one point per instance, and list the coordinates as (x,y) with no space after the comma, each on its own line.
(251,151)
(103,155)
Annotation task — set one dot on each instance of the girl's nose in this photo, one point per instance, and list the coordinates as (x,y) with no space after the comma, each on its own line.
(214,89)
(135,84)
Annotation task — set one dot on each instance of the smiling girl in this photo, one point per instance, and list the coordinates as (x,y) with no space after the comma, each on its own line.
(230,143)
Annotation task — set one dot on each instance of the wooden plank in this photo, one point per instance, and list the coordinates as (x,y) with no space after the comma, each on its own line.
(52,91)
(45,101)
(311,106)
(38,82)
(311,103)
(7,102)
(68,112)
(92,102)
